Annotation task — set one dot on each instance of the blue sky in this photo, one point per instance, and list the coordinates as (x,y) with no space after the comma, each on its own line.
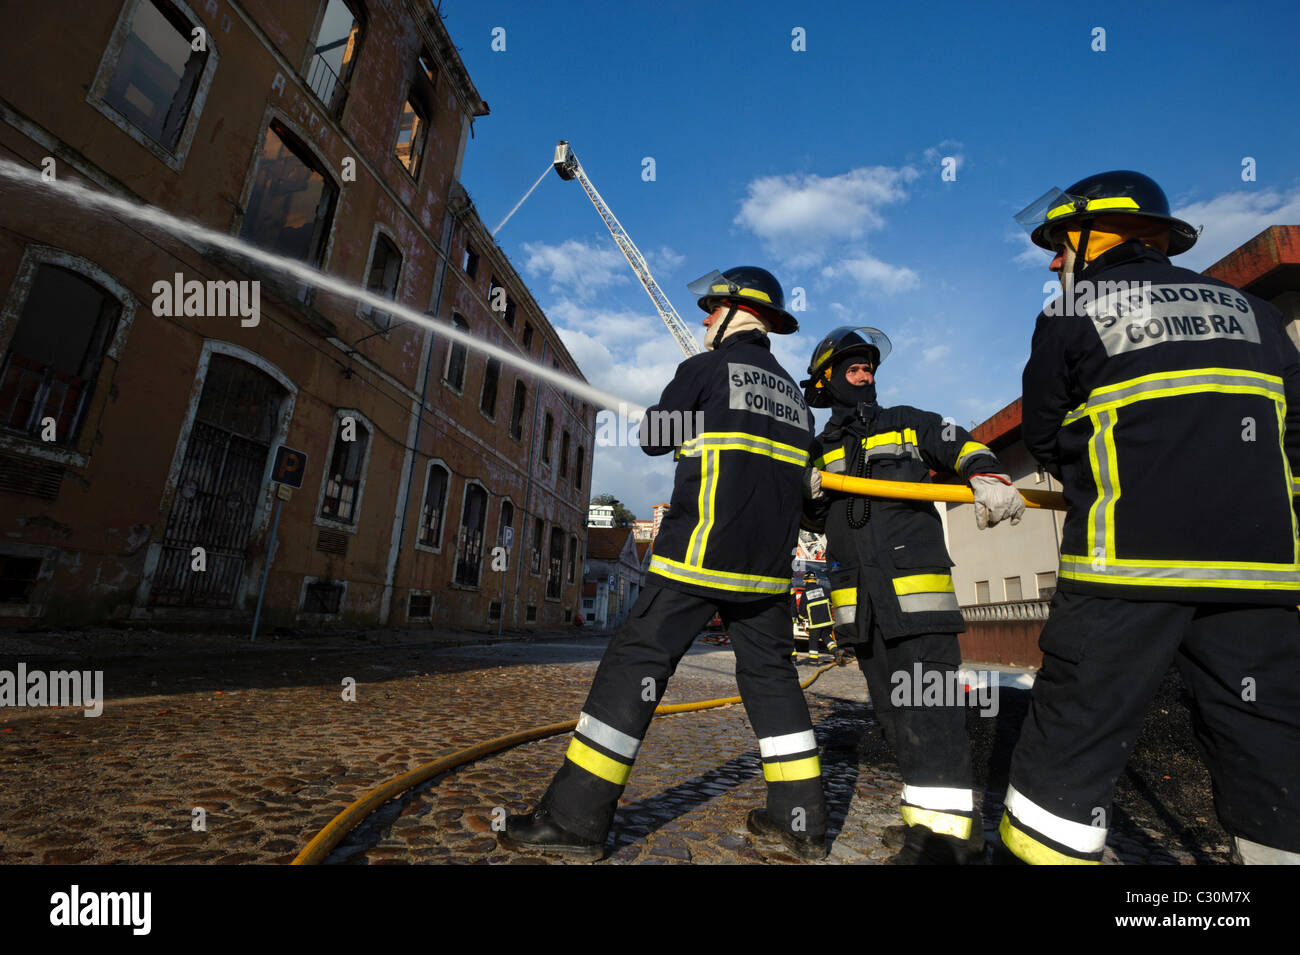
(824,166)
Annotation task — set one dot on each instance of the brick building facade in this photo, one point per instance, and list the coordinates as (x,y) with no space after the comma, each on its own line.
(136,443)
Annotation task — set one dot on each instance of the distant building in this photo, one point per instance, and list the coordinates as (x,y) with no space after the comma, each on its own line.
(643,530)
(612,579)
(600,515)
(659,511)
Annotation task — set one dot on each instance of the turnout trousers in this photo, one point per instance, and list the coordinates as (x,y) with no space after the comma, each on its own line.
(630,682)
(928,737)
(1103,660)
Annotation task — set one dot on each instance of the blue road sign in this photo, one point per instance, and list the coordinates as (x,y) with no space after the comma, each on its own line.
(290,466)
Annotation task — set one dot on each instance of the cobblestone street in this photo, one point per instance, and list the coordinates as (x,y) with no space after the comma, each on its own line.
(263,742)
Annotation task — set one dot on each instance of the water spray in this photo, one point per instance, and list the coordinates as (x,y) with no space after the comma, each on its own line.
(186,229)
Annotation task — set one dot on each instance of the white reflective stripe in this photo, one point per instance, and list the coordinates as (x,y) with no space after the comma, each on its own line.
(837,467)
(615,741)
(928,603)
(848,613)
(1072,835)
(1254,853)
(771,746)
(940,798)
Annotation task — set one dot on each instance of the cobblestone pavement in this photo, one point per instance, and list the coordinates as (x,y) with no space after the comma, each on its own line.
(264,744)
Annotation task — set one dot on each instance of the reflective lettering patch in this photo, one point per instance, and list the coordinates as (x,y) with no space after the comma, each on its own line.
(1132,319)
(760,391)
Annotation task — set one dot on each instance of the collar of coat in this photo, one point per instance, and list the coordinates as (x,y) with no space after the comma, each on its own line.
(1125,253)
(850,419)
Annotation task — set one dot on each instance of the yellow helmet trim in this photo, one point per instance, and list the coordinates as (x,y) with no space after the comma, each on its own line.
(1095,205)
(747,292)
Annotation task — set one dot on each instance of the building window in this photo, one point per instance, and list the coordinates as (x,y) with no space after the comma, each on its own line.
(347,466)
(338,42)
(556,565)
(578,465)
(539,529)
(54,357)
(564,454)
(573,557)
(381,279)
(981,591)
(322,596)
(435,501)
(1012,588)
(494,610)
(507,519)
(1046,583)
(517,411)
(471,262)
(547,433)
(18,577)
(528,336)
(417,113)
(469,543)
(530,614)
(487,401)
(157,73)
(419,606)
(292,201)
(454,376)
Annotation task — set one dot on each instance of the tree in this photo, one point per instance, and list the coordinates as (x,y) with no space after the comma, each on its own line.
(622,516)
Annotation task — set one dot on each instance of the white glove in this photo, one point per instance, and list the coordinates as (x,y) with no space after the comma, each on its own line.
(995,500)
(812,484)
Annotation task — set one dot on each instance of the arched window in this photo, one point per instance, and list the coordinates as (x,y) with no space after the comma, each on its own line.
(341,500)
(434,506)
(469,541)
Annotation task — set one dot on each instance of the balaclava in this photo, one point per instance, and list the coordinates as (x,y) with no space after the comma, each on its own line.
(845,394)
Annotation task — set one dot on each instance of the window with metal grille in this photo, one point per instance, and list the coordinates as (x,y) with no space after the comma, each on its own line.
(338,42)
(469,543)
(487,401)
(322,596)
(578,465)
(539,529)
(530,614)
(431,512)
(291,204)
(382,279)
(54,356)
(517,411)
(555,569)
(573,557)
(564,454)
(548,431)
(18,578)
(494,610)
(343,478)
(419,606)
(454,376)
(157,73)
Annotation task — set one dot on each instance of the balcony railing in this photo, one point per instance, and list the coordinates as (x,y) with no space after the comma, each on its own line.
(1009,610)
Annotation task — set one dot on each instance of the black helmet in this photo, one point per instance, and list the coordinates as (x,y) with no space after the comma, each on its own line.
(844,342)
(1121,192)
(809,576)
(751,285)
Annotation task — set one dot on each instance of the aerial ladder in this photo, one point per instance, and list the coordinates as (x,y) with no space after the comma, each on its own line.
(567,165)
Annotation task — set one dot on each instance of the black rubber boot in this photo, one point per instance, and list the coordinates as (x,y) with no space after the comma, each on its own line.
(811,848)
(539,832)
(922,846)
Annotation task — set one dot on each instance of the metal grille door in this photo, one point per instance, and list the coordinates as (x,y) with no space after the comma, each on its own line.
(219,487)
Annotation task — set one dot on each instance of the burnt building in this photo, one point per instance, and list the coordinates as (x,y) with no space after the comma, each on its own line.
(138,433)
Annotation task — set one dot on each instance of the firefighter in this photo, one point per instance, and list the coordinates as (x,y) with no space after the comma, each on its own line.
(1168,404)
(723,547)
(891,591)
(815,610)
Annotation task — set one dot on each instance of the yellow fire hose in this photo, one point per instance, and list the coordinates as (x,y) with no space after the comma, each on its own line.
(923,491)
(315,851)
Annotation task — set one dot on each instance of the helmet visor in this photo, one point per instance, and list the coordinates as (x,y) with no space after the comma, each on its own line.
(714,283)
(873,336)
(1041,209)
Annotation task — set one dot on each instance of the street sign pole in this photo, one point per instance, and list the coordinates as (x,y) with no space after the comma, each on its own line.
(507,538)
(266,571)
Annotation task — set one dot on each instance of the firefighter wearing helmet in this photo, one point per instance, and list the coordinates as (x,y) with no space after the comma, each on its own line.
(814,608)
(1168,403)
(891,590)
(739,429)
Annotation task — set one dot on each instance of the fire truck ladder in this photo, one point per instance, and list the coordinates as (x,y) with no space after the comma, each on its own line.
(567,165)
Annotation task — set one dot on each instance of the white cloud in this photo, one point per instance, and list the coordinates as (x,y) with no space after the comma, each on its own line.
(935,353)
(661,260)
(1232,218)
(800,216)
(871,274)
(1030,256)
(575,267)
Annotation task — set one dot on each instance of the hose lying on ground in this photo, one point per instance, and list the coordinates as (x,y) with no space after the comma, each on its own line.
(315,851)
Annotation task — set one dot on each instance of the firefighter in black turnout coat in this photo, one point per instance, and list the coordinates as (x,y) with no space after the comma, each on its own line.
(891,590)
(739,428)
(1168,403)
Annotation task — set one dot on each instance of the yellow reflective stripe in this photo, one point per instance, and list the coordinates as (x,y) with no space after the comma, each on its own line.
(1030,850)
(943,823)
(693,542)
(1222,565)
(740,441)
(1226,583)
(908,436)
(829,457)
(969,448)
(1096,483)
(748,292)
(1061,210)
(1238,381)
(708,500)
(810,767)
(1113,202)
(723,579)
(1291,479)
(845,595)
(597,763)
(923,583)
